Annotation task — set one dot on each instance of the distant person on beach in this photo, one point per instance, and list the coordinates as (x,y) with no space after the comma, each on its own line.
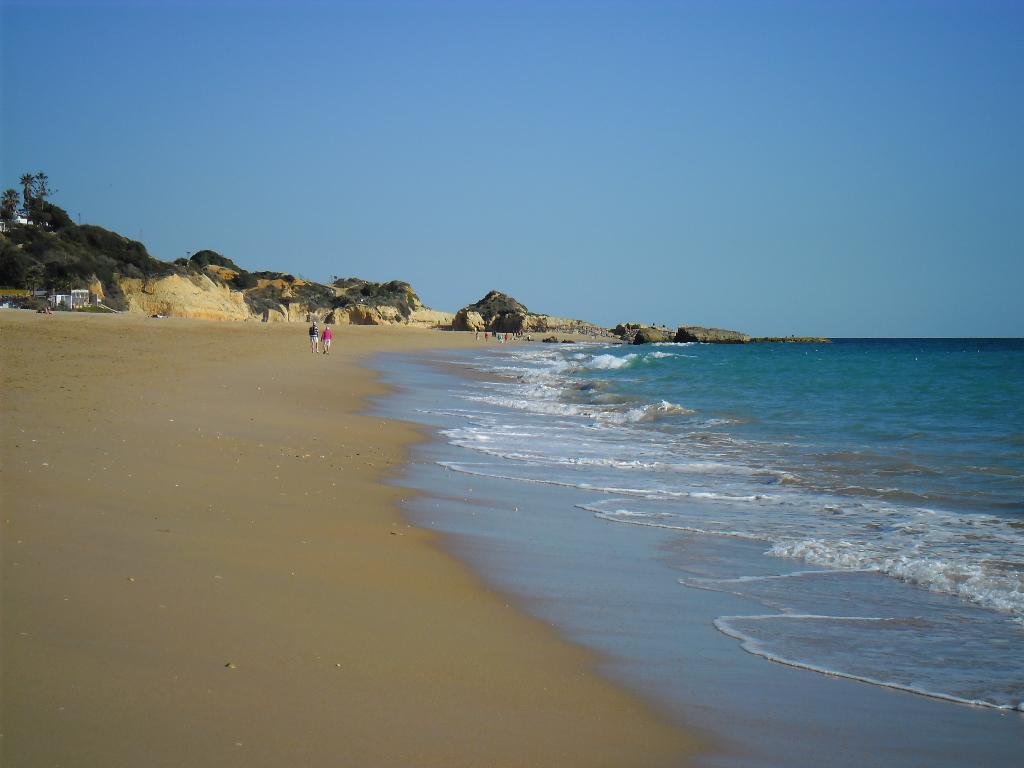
(328,337)
(314,338)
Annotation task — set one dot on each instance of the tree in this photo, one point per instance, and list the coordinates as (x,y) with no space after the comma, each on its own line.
(34,277)
(28,186)
(46,214)
(42,186)
(9,205)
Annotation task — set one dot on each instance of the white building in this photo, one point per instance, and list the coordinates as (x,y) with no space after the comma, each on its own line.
(78,297)
(19,218)
(60,300)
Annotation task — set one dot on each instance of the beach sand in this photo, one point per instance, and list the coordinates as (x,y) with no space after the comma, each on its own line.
(202,566)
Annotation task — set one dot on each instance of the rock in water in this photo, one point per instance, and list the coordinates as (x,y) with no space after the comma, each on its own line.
(651,335)
(687,333)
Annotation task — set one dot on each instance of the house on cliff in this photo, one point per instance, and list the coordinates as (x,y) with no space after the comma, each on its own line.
(20,217)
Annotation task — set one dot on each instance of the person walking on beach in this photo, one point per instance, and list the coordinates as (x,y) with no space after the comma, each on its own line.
(328,337)
(314,338)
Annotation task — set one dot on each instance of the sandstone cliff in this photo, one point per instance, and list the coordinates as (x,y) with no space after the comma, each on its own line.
(207,288)
(184,296)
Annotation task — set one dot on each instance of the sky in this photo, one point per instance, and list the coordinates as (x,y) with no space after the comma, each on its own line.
(820,168)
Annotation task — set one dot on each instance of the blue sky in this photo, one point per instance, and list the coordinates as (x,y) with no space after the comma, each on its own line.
(840,168)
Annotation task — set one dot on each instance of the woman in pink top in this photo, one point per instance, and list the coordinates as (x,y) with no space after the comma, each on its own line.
(328,336)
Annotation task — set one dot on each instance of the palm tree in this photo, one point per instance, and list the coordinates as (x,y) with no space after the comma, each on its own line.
(28,185)
(9,205)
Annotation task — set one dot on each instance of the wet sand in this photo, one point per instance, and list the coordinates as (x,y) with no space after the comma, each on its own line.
(202,566)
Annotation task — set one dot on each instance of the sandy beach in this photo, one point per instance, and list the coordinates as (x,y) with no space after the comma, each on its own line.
(202,566)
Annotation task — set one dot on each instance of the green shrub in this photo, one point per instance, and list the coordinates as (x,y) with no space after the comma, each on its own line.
(244,280)
(205,258)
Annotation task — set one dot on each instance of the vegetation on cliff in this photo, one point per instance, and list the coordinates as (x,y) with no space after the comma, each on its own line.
(396,293)
(54,252)
(42,248)
(496,306)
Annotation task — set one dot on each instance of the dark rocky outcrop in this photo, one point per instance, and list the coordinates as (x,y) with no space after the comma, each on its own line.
(703,335)
(637,333)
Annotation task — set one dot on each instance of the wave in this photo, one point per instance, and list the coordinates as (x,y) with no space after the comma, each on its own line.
(710,582)
(975,558)
(970,581)
(608,362)
(536,460)
(650,412)
(543,399)
(724,624)
(632,517)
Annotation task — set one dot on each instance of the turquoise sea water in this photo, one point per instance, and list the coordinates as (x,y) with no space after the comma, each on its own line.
(884,478)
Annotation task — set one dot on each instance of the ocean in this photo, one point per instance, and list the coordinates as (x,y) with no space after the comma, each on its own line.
(852,510)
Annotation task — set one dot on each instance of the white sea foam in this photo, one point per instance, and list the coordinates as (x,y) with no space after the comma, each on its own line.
(644,413)
(716,583)
(610,362)
(927,548)
(654,520)
(729,497)
(971,581)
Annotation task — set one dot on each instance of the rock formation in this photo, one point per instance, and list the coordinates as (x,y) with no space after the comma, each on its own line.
(652,335)
(468,320)
(501,313)
(637,333)
(709,335)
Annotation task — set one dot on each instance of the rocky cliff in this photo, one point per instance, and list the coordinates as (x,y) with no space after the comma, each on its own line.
(56,253)
(280,297)
(212,293)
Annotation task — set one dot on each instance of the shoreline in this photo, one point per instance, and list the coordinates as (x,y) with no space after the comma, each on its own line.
(204,562)
(624,591)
